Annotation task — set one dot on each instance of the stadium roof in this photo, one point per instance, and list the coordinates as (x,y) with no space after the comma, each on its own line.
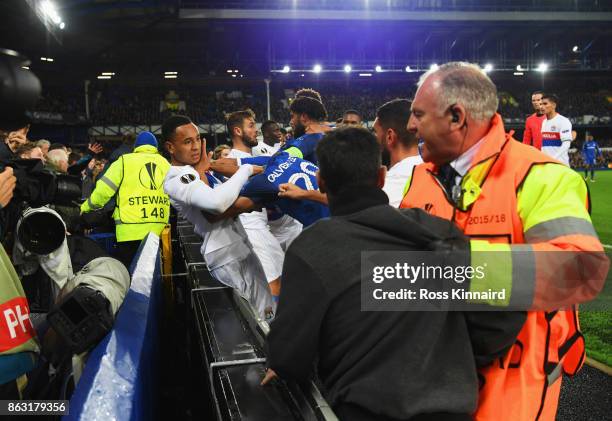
(147,37)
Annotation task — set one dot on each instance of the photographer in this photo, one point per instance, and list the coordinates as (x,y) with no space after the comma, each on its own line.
(11,141)
(30,150)
(37,237)
(18,345)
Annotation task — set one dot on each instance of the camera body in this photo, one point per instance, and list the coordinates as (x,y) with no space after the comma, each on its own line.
(86,307)
(36,186)
(86,302)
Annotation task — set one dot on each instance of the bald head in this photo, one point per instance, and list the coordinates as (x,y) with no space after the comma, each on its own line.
(461,83)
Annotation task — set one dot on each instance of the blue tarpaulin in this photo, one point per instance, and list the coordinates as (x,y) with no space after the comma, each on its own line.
(120,377)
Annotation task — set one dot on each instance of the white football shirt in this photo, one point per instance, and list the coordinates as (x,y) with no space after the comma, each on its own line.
(557,137)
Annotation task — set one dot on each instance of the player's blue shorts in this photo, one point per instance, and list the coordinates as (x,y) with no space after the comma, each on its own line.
(590,161)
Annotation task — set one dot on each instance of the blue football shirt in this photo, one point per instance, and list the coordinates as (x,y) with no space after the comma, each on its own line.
(284,168)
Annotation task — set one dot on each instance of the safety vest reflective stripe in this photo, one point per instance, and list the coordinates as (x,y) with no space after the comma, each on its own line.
(106,187)
(109,183)
(91,204)
(523,273)
(567,225)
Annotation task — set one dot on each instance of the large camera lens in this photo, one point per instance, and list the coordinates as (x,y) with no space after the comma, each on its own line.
(41,231)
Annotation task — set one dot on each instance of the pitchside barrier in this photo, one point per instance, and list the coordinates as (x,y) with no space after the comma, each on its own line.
(121,374)
(231,343)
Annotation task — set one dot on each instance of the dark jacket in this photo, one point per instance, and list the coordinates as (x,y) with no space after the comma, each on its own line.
(78,167)
(6,154)
(374,365)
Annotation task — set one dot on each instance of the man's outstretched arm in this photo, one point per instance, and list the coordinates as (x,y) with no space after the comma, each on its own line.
(291,191)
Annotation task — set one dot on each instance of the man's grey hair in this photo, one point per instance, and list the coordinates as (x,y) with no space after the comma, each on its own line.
(56,157)
(466,84)
(42,142)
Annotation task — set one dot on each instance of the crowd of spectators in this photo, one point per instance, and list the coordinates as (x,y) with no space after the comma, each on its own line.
(577,160)
(577,157)
(574,105)
(114,104)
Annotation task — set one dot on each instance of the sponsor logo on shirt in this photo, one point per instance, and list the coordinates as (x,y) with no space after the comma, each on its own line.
(151,176)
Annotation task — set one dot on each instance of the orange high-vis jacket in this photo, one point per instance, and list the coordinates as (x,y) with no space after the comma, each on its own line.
(524,207)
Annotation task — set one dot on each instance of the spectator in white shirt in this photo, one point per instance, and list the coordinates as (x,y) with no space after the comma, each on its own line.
(400,146)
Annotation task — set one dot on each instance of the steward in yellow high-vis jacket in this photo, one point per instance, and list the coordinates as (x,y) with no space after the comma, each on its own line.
(528,214)
(142,206)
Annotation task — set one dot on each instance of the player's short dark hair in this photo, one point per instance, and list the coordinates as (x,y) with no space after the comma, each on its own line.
(266,124)
(313,108)
(352,112)
(349,157)
(308,93)
(551,97)
(394,115)
(172,123)
(537,93)
(236,119)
